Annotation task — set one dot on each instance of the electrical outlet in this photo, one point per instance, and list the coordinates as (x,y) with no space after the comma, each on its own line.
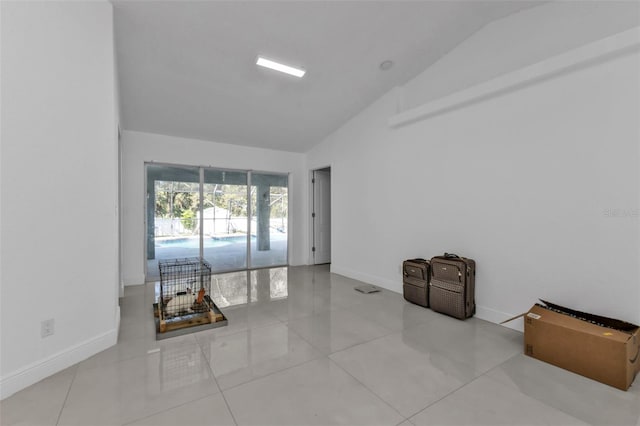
(47,328)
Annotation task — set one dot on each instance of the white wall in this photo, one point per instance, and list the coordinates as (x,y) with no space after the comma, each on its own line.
(58,250)
(522,39)
(521,182)
(139,148)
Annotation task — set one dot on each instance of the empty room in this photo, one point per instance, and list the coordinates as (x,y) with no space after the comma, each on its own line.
(320,212)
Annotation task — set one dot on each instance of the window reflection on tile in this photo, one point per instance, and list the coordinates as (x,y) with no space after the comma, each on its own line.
(239,288)
(179,367)
(229,289)
(279,287)
(249,350)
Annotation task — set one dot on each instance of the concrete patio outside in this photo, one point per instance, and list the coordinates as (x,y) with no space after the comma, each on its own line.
(228,254)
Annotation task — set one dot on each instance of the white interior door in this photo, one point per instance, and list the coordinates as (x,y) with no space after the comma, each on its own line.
(321,216)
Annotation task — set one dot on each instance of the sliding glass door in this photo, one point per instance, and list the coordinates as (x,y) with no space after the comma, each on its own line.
(235,219)
(172,206)
(225,219)
(269,219)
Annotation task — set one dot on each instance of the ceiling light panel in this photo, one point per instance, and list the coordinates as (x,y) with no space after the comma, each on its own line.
(268,63)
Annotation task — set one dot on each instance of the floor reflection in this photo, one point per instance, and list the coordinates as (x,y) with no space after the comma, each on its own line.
(302,347)
(225,258)
(244,287)
(179,367)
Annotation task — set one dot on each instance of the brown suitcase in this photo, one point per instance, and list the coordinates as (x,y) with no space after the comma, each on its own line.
(415,281)
(452,285)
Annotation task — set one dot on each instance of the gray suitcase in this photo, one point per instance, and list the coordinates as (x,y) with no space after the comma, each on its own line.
(452,285)
(415,281)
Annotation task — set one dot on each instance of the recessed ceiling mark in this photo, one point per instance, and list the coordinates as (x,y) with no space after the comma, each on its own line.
(386,65)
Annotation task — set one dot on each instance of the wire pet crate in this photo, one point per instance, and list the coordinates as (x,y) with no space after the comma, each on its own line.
(185,296)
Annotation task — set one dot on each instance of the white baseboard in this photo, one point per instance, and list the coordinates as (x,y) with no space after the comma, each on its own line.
(117,323)
(42,369)
(137,279)
(482,312)
(391,285)
(497,317)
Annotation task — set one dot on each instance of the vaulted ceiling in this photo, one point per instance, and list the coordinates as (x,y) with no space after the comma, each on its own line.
(187,68)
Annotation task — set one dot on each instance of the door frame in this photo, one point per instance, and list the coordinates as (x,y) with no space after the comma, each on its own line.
(311,260)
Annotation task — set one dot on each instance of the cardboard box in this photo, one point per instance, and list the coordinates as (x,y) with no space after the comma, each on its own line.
(603,349)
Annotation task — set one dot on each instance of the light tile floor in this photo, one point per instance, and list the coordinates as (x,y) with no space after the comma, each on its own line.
(316,352)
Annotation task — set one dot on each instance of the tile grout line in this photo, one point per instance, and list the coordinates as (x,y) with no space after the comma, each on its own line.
(64,403)
(274,373)
(370,390)
(336,308)
(494,380)
(498,365)
(167,409)
(224,398)
(322,354)
(233,332)
(389,332)
(444,396)
(146,354)
(462,386)
(213,376)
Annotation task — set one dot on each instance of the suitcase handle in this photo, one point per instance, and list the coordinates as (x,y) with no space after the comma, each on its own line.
(455,256)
